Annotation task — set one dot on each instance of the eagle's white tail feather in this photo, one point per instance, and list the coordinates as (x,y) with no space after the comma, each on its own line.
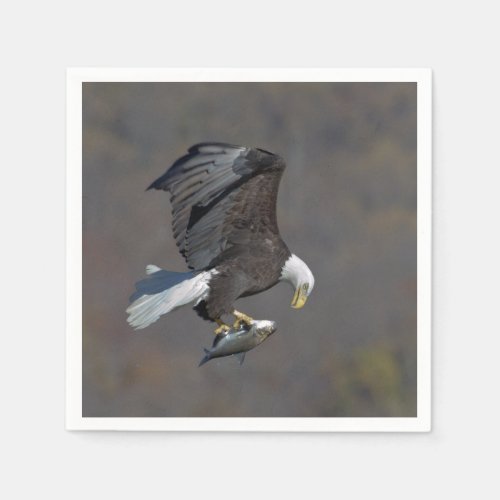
(151,269)
(148,308)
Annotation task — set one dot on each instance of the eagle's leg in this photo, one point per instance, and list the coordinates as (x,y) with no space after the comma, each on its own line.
(241,318)
(222,328)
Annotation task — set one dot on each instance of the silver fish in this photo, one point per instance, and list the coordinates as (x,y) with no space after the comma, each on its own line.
(240,341)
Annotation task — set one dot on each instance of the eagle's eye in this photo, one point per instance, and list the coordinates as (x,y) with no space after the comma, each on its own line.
(305,286)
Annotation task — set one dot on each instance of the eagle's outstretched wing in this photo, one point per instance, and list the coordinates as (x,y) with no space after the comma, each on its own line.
(222,195)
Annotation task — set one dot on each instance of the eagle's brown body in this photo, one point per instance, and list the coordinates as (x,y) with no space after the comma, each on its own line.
(246,248)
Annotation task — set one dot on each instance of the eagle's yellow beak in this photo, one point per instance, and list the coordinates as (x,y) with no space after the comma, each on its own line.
(299,298)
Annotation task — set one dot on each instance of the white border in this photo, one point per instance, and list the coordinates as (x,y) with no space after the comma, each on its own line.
(75,77)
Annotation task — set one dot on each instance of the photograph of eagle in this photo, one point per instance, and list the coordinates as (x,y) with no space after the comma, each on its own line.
(224,222)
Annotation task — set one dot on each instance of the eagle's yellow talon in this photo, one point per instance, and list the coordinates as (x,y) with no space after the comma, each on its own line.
(241,318)
(222,328)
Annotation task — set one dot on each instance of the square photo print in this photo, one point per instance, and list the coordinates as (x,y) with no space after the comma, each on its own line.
(249,249)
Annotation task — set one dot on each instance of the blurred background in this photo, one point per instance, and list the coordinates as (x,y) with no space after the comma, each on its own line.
(347,207)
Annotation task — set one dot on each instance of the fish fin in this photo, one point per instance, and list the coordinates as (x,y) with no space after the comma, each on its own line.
(205,358)
(241,357)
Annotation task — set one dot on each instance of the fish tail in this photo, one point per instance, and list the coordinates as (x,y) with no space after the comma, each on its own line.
(205,358)
(163,291)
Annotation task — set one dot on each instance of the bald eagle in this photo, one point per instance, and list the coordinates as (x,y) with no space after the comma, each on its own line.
(224,222)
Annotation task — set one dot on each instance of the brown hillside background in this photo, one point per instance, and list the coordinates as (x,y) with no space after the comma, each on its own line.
(347,207)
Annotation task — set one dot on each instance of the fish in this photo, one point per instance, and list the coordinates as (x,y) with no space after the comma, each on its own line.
(239,342)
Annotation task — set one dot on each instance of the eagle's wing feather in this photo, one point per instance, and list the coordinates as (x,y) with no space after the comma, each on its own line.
(220,195)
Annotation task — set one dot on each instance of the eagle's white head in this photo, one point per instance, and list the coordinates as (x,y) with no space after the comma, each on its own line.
(296,272)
